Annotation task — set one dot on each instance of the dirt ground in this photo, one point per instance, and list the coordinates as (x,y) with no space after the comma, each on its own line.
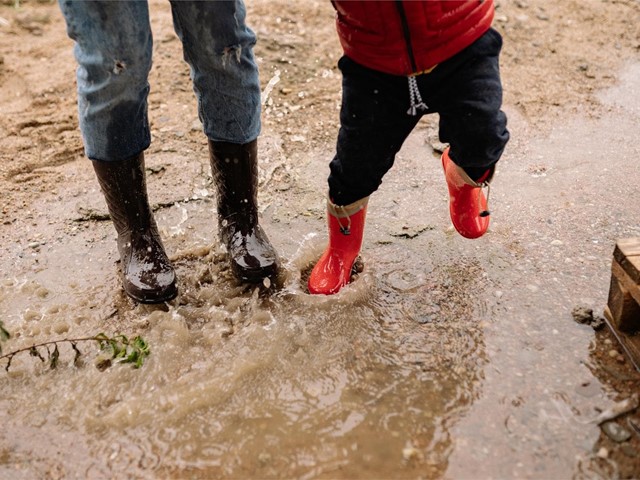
(556,55)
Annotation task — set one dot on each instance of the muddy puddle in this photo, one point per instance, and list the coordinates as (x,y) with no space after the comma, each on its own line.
(446,358)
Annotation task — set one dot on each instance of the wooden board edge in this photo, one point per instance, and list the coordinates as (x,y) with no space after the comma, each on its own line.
(630,343)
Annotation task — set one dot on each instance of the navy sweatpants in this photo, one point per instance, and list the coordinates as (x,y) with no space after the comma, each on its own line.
(465,91)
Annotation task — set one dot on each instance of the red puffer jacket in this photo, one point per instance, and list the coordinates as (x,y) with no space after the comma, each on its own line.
(403,37)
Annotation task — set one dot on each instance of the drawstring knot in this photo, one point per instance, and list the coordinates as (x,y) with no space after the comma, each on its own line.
(416,102)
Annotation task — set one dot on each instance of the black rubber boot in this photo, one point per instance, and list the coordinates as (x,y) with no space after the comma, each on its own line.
(147,274)
(235,173)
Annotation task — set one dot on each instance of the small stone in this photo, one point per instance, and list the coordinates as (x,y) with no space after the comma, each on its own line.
(226,331)
(409,453)
(629,451)
(438,146)
(598,323)
(603,453)
(616,432)
(358,266)
(613,353)
(634,424)
(557,243)
(582,314)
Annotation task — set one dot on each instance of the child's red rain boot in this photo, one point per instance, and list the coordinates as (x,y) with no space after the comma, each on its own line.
(467,203)
(346,228)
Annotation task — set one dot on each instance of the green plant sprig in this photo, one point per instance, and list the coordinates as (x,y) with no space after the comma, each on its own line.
(118,348)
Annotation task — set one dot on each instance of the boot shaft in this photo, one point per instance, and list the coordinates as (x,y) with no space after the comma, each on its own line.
(468,205)
(235,173)
(123,184)
(346,224)
(346,231)
(456,176)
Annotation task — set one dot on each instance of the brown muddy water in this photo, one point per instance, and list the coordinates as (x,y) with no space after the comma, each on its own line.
(447,358)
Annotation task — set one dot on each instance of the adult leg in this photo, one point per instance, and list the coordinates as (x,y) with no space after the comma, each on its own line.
(113,49)
(218,46)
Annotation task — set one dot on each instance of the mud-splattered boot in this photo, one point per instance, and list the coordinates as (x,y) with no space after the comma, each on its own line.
(147,274)
(235,173)
(346,230)
(467,202)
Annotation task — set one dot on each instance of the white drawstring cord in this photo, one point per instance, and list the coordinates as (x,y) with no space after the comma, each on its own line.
(415,98)
(344,230)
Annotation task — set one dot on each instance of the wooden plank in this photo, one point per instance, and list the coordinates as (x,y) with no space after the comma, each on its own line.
(629,284)
(622,312)
(627,254)
(633,265)
(629,246)
(623,305)
(630,343)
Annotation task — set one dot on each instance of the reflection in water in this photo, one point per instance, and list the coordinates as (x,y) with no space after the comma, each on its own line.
(244,382)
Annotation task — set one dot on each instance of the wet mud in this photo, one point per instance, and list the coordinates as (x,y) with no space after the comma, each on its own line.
(446,358)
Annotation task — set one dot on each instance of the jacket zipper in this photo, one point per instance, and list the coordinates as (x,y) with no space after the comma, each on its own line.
(407,34)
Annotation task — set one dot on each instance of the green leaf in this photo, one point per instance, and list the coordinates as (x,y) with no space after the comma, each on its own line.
(119,350)
(132,357)
(141,345)
(137,351)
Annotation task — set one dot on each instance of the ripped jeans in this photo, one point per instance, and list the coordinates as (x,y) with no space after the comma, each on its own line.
(113,48)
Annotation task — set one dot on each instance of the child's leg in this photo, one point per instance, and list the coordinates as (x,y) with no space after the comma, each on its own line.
(467,93)
(374,124)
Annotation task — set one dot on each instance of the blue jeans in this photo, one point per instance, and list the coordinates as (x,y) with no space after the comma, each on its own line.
(114,47)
